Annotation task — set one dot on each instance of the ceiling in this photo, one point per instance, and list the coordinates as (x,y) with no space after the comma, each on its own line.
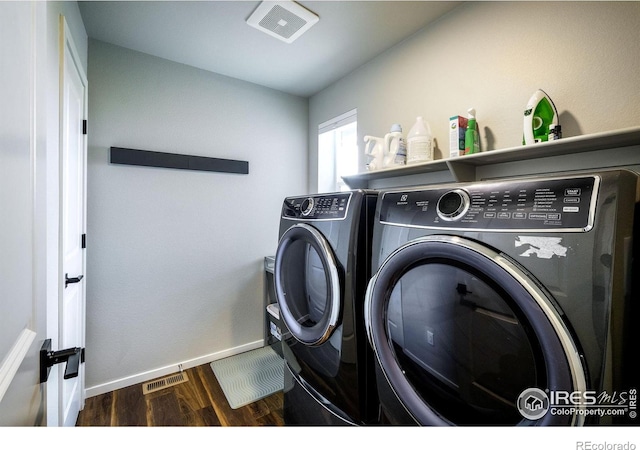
(214,35)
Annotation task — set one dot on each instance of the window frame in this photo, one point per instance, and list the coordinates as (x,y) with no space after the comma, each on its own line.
(328,178)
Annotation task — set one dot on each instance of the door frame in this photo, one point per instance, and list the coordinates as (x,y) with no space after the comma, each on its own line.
(55,413)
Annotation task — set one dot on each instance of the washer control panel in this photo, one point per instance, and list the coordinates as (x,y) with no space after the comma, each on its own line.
(545,204)
(317,207)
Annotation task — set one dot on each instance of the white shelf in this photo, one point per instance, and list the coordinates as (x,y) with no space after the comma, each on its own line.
(464,167)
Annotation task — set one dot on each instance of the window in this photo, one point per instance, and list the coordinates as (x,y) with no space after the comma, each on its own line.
(337,151)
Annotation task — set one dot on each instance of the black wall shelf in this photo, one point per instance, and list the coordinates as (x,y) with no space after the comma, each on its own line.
(147,158)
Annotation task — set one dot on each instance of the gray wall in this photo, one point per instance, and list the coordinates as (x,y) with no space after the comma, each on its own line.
(175,258)
(493,56)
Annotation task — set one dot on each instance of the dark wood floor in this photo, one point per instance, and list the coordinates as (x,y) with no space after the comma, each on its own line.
(197,402)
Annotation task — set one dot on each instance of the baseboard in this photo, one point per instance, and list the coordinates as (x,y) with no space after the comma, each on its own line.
(166,370)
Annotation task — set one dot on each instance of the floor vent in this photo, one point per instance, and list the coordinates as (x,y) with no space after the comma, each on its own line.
(163,383)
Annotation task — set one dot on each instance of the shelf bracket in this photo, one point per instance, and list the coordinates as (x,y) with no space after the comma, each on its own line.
(462,171)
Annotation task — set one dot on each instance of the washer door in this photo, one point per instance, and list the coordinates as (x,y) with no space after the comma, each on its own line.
(461,332)
(307,284)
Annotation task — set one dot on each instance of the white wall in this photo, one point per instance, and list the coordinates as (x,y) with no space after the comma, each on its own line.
(493,56)
(175,258)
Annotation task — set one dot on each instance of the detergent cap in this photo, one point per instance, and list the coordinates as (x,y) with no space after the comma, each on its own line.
(396,127)
(472,113)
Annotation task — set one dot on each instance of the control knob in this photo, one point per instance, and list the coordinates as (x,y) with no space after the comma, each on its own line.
(307,206)
(453,205)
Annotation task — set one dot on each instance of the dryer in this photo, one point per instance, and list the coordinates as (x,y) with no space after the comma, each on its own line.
(322,267)
(507,302)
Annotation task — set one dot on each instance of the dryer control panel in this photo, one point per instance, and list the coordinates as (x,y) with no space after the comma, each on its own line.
(565,204)
(317,207)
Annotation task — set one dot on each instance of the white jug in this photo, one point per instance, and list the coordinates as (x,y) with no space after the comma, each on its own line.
(374,148)
(419,142)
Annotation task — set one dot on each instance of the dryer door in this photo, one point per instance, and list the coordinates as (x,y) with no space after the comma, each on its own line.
(307,284)
(464,336)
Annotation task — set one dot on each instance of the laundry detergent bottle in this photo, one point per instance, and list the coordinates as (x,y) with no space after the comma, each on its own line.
(419,142)
(395,147)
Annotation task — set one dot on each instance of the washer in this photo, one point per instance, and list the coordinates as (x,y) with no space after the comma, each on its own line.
(507,302)
(322,267)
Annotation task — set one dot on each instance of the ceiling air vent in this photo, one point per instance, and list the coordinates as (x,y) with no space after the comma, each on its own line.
(285,20)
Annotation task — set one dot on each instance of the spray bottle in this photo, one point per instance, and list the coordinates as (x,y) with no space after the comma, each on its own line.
(471,140)
(374,149)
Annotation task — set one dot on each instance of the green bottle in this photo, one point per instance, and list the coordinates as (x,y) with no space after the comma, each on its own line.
(471,141)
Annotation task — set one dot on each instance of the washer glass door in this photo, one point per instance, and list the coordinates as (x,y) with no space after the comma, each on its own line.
(460,333)
(307,284)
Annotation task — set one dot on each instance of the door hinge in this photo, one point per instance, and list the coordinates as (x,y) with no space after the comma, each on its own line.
(84,241)
(84,127)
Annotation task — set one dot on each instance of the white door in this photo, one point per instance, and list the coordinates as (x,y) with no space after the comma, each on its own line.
(71,313)
(22,226)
